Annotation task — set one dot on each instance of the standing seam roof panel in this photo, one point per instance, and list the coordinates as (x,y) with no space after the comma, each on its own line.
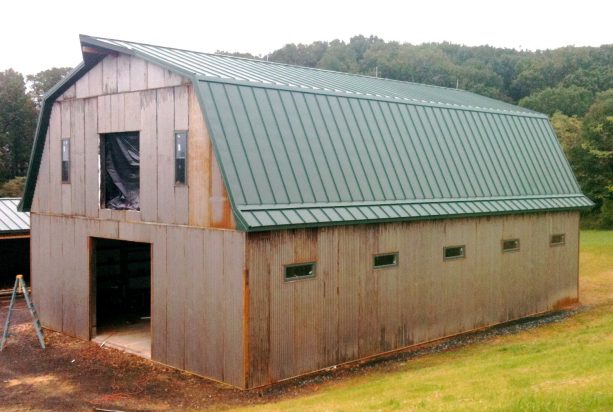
(529,157)
(301,146)
(312,111)
(348,148)
(265,149)
(390,144)
(340,149)
(277,143)
(516,158)
(316,149)
(291,144)
(414,181)
(423,141)
(440,146)
(311,152)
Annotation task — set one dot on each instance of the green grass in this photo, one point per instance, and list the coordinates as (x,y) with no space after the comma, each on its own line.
(566,366)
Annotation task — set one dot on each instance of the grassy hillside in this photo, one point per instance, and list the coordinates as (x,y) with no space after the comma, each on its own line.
(564,366)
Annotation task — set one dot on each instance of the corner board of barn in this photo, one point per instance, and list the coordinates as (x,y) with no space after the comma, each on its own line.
(251,222)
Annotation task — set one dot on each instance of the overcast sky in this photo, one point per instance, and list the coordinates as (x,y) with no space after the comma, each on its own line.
(36,35)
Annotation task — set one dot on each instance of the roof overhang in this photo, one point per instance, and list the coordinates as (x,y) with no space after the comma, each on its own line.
(14,234)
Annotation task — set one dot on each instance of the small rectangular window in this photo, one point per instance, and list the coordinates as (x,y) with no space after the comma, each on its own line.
(299,271)
(65,160)
(510,245)
(453,252)
(385,260)
(180,158)
(557,240)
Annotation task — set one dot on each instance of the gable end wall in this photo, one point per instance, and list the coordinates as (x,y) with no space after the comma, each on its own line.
(119,94)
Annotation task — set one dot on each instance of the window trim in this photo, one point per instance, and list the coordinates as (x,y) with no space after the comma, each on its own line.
(177,183)
(68,162)
(462,256)
(561,243)
(502,242)
(297,278)
(391,265)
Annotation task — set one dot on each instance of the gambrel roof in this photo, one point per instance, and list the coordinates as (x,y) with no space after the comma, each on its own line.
(307,147)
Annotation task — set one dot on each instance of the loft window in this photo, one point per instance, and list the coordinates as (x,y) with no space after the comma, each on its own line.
(510,245)
(299,271)
(557,240)
(120,171)
(454,252)
(385,260)
(180,158)
(65,160)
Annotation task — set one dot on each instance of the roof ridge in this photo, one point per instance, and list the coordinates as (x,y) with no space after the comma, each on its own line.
(316,69)
(369,96)
(271,62)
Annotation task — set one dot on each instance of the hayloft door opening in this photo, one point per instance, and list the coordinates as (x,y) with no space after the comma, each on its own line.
(121,295)
(120,171)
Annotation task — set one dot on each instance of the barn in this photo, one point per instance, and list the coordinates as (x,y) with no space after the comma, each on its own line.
(14,243)
(250,221)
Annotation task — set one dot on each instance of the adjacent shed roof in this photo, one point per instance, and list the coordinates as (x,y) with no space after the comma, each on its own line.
(306,147)
(11,220)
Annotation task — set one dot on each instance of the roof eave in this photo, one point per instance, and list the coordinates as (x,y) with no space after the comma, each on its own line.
(4,233)
(268,228)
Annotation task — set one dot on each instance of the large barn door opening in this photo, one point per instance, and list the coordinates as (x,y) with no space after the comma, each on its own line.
(14,260)
(121,295)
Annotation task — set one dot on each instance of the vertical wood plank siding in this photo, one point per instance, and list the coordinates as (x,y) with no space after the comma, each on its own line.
(196,281)
(351,311)
(197,273)
(220,305)
(123,94)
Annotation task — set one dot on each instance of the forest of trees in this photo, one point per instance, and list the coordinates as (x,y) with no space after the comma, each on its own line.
(573,85)
(19,107)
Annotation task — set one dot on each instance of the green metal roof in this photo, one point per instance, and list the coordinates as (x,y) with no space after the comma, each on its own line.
(305,147)
(219,67)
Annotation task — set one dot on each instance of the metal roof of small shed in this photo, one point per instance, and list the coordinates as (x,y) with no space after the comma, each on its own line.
(307,147)
(12,220)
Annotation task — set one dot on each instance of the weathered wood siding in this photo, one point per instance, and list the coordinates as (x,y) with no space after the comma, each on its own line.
(197,273)
(197,280)
(351,311)
(123,94)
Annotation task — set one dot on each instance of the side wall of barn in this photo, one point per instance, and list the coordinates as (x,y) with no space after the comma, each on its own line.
(350,311)
(197,288)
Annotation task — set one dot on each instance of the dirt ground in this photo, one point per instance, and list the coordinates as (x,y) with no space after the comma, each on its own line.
(77,375)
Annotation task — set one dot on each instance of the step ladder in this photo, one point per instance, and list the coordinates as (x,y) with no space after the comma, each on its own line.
(21,284)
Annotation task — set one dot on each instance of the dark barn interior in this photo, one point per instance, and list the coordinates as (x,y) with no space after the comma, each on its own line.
(122,283)
(14,260)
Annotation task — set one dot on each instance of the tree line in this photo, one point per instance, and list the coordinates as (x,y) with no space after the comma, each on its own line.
(573,85)
(20,100)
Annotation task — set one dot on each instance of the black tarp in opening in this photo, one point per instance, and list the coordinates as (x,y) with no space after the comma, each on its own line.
(122,171)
